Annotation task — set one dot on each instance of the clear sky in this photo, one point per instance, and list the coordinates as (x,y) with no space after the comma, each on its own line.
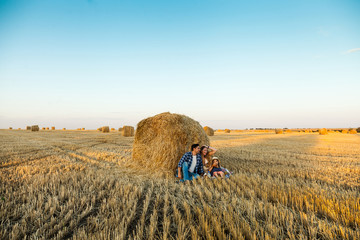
(227,64)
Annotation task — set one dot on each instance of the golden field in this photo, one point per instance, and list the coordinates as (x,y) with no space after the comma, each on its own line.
(83,185)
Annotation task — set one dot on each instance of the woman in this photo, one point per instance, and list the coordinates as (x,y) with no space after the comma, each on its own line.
(206,152)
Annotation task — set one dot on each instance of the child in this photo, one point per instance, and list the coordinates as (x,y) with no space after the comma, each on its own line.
(215,169)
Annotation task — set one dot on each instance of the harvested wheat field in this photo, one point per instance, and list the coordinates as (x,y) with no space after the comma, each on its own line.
(84,185)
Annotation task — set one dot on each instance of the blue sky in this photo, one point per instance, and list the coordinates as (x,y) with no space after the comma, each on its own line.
(227,64)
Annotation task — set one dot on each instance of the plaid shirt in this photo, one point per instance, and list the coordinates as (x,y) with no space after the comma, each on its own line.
(188,157)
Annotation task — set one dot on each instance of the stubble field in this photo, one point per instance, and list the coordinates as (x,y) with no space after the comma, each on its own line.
(83,185)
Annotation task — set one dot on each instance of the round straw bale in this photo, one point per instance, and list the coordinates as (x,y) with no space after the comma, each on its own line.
(45,128)
(323,131)
(127,131)
(288,131)
(353,131)
(52,128)
(161,140)
(209,131)
(10,128)
(64,129)
(344,131)
(112,129)
(105,129)
(28,127)
(83,129)
(120,129)
(279,131)
(227,130)
(34,128)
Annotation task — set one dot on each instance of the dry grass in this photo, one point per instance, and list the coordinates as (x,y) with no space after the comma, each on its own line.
(78,185)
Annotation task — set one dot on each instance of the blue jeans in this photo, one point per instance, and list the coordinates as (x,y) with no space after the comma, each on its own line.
(186,174)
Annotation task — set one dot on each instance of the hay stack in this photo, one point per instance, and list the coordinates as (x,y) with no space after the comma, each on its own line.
(52,128)
(353,131)
(227,130)
(127,131)
(64,129)
(161,140)
(288,131)
(120,129)
(105,129)
(44,128)
(323,131)
(28,127)
(10,128)
(34,128)
(112,129)
(99,129)
(344,131)
(209,131)
(279,131)
(83,129)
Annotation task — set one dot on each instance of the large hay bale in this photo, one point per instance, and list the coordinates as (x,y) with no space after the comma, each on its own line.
(120,129)
(344,131)
(64,129)
(279,131)
(127,131)
(323,131)
(10,128)
(353,131)
(161,140)
(112,129)
(358,129)
(288,131)
(105,129)
(209,131)
(82,128)
(227,130)
(52,128)
(28,127)
(34,128)
(44,128)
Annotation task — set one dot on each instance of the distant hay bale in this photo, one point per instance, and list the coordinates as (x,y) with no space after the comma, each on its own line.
(28,127)
(161,140)
(344,131)
(19,128)
(83,129)
(219,130)
(288,131)
(105,129)
(353,131)
(44,128)
(112,129)
(64,129)
(34,128)
(323,131)
(52,128)
(307,131)
(227,130)
(10,128)
(120,129)
(279,131)
(99,129)
(127,131)
(209,131)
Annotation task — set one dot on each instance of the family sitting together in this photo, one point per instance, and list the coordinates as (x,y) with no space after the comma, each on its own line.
(197,163)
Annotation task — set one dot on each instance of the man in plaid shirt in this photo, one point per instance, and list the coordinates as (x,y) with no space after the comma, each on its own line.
(190,165)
